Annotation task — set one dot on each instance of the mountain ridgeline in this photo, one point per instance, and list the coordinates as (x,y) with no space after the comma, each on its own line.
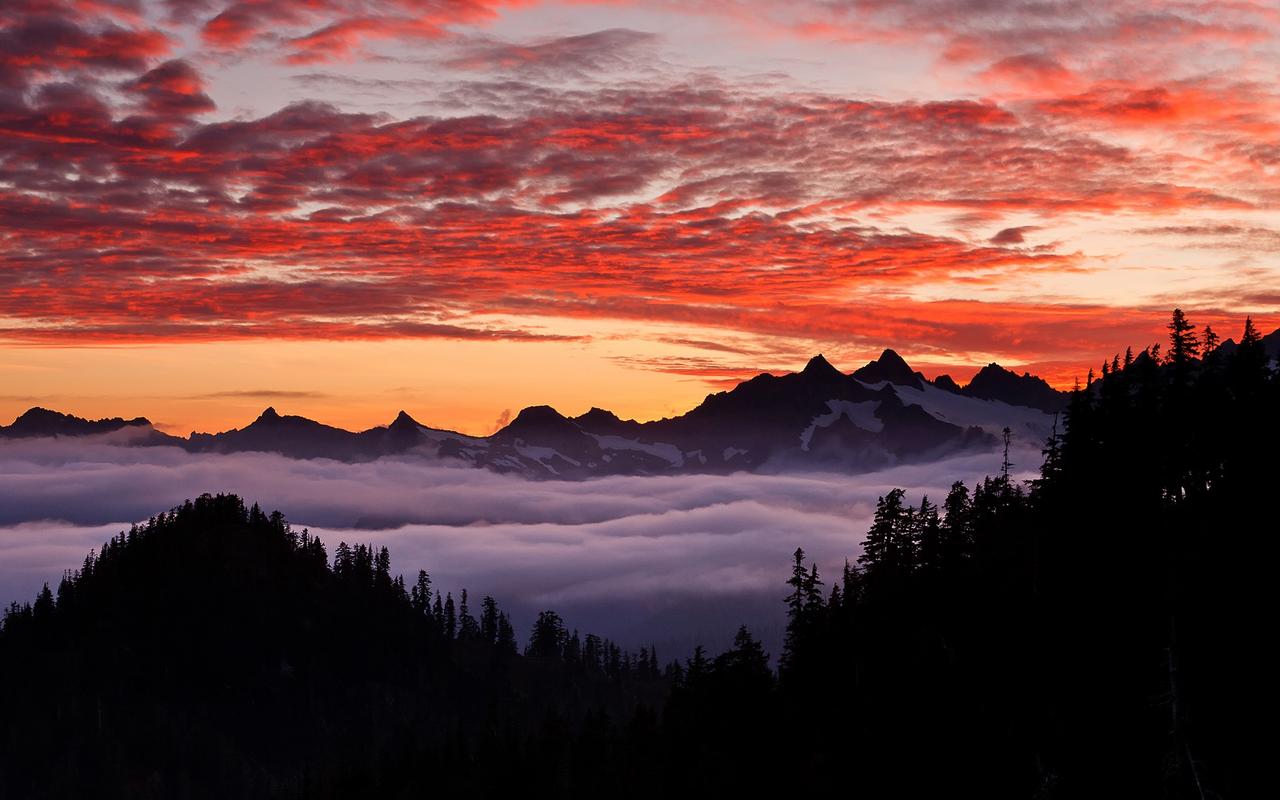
(819,418)
(1101,631)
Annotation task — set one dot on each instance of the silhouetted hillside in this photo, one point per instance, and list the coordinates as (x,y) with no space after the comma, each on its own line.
(216,652)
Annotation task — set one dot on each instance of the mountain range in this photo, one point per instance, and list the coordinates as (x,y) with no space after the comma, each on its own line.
(819,418)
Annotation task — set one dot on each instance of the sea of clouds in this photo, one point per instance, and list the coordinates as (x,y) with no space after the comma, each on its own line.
(668,560)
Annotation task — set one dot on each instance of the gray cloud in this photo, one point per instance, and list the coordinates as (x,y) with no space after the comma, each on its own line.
(667,559)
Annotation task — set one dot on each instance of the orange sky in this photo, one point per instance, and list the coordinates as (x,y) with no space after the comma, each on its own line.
(345,208)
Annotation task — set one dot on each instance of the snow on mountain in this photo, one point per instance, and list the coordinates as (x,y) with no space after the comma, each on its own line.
(861,414)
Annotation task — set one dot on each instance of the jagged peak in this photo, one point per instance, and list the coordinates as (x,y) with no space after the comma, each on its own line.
(993,369)
(403,418)
(889,367)
(819,366)
(890,357)
(36,413)
(268,415)
(538,414)
(39,412)
(38,420)
(597,413)
(946,383)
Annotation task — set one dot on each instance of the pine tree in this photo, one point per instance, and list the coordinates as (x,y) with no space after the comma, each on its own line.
(420,594)
(881,548)
(506,643)
(697,666)
(592,652)
(489,619)
(437,612)
(928,545)
(746,665)
(1183,344)
(450,617)
(548,637)
(468,628)
(955,527)
(1209,341)
(382,567)
(44,605)
(1248,369)
(342,560)
(573,649)
(799,575)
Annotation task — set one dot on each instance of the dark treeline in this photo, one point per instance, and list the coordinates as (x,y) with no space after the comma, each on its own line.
(1101,631)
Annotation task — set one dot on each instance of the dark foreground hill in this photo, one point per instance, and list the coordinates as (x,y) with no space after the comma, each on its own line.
(1103,631)
(215,652)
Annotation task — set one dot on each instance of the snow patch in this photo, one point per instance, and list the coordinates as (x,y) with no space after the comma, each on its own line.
(543,454)
(667,452)
(862,414)
(992,416)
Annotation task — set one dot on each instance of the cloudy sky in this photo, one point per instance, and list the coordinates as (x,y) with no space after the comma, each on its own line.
(457,207)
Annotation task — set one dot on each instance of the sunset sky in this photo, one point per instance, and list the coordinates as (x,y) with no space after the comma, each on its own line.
(343,208)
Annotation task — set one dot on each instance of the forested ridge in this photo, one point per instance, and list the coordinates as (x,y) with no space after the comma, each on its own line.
(1101,631)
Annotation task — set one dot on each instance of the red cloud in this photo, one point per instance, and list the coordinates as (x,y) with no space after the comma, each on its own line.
(173,88)
(323,30)
(42,44)
(718,208)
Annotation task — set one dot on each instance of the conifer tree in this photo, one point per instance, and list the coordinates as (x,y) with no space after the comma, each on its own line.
(928,545)
(1209,341)
(1183,344)
(548,637)
(592,652)
(420,594)
(468,627)
(450,617)
(506,643)
(882,548)
(489,619)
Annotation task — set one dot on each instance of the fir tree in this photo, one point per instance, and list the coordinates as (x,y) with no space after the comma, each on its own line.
(450,617)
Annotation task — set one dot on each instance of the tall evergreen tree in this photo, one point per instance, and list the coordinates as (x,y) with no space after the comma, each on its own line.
(1183,344)
(420,594)
(489,619)
(450,617)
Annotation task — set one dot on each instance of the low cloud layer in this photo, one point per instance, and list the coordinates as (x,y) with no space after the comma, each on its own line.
(667,559)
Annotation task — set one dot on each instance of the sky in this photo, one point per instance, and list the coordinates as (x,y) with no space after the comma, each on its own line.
(344,208)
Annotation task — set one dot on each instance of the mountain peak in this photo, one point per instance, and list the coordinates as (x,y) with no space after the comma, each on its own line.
(889,357)
(403,418)
(37,412)
(994,382)
(597,414)
(819,366)
(268,415)
(947,383)
(533,415)
(889,367)
(38,421)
